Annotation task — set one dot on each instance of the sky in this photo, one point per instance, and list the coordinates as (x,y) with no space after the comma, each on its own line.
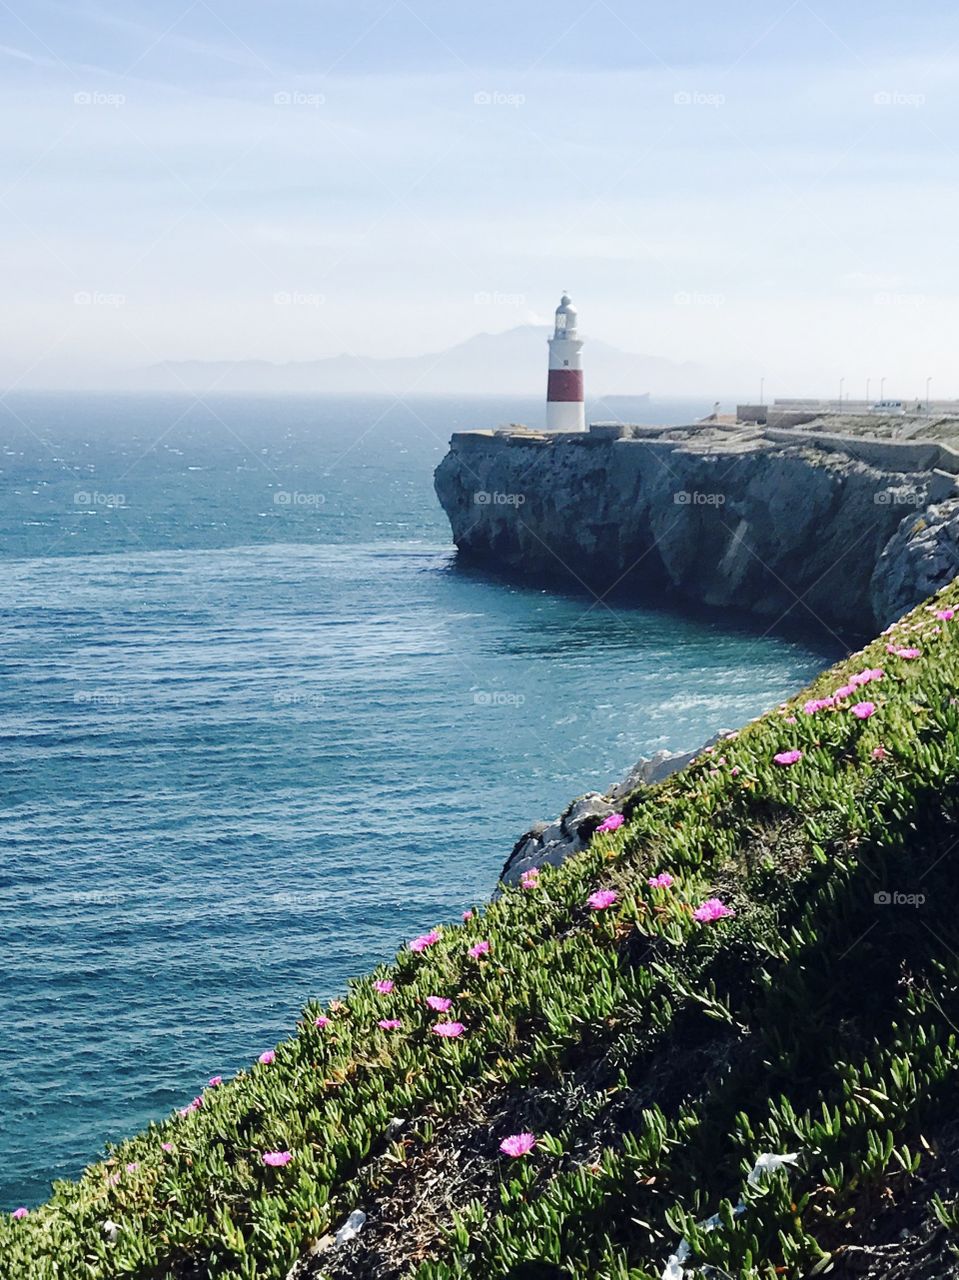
(766,189)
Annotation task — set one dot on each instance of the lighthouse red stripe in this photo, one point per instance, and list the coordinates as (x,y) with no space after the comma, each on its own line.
(565,384)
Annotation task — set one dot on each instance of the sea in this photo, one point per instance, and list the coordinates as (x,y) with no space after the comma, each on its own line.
(258,728)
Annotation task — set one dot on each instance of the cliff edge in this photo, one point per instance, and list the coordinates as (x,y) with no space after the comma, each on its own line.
(811,526)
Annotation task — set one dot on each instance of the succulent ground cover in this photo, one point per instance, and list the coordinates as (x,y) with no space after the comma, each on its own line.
(761,959)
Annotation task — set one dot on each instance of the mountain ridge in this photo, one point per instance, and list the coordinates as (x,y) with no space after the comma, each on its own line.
(513,361)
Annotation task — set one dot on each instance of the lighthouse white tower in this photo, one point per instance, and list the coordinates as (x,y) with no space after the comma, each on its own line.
(564,392)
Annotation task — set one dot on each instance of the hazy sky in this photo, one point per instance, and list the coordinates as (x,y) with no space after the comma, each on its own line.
(762,187)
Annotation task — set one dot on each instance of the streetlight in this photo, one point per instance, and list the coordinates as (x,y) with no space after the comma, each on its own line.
(842,383)
(928,383)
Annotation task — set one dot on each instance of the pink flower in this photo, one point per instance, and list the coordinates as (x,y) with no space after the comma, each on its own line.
(19,1213)
(602,899)
(132,1166)
(945,615)
(195,1105)
(863,710)
(844,692)
(425,940)
(734,771)
(518,1144)
(383,986)
(267,1057)
(612,823)
(812,706)
(440,1003)
(276,1159)
(879,753)
(788,757)
(215,1081)
(321,1022)
(663,881)
(712,909)
(450,1030)
(389,1024)
(790,720)
(908,653)
(467,915)
(167,1146)
(530,879)
(480,949)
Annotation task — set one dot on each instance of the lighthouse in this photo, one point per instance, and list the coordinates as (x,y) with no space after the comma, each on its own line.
(564,391)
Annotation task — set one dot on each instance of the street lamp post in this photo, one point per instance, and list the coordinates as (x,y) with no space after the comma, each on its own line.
(842,383)
(928,384)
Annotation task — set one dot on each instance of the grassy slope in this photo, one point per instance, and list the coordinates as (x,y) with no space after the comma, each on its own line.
(654,1056)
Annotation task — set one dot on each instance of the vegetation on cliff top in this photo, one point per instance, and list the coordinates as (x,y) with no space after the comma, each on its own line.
(763,958)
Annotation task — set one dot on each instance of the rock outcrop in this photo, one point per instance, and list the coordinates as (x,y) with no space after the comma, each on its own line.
(547,844)
(788,528)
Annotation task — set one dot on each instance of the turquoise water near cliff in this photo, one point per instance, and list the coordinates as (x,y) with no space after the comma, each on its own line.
(257,729)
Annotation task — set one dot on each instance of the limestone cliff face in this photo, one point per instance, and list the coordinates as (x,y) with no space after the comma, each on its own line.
(726,517)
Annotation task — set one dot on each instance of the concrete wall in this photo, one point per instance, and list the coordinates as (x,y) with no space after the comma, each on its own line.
(885,455)
(773,416)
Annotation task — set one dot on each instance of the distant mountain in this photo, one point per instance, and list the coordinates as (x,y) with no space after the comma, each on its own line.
(513,362)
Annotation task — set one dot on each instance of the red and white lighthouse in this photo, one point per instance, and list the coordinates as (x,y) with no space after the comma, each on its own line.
(564,392)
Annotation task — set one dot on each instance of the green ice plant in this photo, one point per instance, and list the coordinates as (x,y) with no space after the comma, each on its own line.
(716,914)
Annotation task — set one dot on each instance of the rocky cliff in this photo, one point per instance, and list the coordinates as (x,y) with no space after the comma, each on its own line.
(844,535)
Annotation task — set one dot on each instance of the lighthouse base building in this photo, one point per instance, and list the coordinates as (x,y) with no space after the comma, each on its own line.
(565,407)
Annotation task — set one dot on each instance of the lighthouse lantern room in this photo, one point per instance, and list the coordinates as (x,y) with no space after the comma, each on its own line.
(565,410)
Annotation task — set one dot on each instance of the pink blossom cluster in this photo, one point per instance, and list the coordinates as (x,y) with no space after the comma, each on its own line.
(518,1144)
(908,652)
(425,940)
(602,899)
(612,823)
(712,909)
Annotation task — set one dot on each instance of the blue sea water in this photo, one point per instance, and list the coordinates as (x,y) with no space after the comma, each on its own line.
(257,729)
